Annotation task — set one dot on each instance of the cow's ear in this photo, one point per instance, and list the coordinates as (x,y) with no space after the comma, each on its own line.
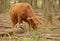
(30,19)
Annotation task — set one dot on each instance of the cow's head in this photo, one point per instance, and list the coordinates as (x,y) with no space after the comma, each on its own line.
(34,21)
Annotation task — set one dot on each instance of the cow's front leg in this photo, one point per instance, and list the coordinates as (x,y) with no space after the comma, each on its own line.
(30,27)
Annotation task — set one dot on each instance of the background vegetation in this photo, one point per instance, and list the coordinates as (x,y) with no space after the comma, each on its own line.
(49,12)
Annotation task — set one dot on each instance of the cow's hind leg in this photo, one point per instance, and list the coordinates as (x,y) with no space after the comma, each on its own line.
(14,20)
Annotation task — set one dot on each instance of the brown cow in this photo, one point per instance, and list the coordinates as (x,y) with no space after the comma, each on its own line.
(20,12)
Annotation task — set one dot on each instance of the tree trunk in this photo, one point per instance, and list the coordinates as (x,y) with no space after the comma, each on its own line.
(47,10)
(3,6)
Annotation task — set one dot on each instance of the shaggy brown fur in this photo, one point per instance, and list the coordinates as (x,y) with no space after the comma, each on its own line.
(20,12)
